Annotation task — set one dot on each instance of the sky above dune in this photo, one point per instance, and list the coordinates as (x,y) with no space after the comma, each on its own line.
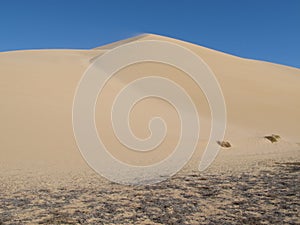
(266,30)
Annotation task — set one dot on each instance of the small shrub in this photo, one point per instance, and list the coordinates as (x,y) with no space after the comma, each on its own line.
(273,138)
(224,144)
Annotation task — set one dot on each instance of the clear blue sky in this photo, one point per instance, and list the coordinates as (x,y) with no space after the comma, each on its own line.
(260,29)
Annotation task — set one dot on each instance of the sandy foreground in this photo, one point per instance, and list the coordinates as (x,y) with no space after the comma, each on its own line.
(44,179)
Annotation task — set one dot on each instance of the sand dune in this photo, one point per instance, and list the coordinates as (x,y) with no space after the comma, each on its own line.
(44,179)
(38,87)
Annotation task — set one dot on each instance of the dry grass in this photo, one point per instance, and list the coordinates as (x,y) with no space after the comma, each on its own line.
(224,144)
(273,138)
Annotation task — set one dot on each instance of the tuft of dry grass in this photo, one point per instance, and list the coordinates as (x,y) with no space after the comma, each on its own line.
(273,138)
(224,144)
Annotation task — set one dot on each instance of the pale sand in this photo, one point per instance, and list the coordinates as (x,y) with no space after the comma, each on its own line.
(38,148)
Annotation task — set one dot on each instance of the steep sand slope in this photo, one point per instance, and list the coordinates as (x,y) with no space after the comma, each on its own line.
(37,90)
(258,94)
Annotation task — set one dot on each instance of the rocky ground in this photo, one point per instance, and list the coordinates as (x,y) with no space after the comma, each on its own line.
(266,196)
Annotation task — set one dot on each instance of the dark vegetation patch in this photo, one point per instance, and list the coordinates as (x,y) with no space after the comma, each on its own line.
(273,138)
(224,144)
